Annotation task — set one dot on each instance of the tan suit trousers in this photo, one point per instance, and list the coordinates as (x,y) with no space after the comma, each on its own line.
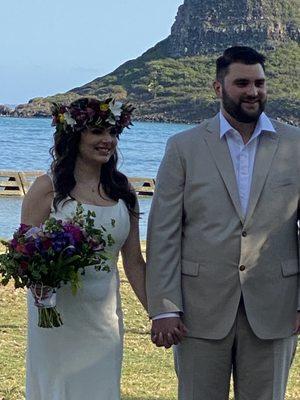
(260,368)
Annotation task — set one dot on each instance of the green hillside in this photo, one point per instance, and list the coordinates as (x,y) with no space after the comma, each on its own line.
(169,89)
(181,89)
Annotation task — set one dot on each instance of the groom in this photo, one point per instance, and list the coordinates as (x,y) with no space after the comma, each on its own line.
(223,263)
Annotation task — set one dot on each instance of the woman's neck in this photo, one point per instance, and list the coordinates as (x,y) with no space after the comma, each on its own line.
(86,172)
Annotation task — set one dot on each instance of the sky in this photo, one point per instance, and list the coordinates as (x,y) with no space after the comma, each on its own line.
(51,46)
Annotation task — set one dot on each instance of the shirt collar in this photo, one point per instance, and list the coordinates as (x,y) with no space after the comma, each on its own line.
(263,124)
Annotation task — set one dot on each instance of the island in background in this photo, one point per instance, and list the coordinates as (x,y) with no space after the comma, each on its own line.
(173,80)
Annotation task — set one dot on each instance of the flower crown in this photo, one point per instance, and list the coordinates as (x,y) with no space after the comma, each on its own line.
(92,113)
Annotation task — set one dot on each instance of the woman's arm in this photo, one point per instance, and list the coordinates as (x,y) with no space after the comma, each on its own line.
(37,202)
(133,261)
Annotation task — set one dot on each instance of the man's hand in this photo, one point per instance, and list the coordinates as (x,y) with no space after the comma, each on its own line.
(297,324)
(167,331)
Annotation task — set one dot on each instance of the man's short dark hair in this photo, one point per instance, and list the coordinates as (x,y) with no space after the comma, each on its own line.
(238,54)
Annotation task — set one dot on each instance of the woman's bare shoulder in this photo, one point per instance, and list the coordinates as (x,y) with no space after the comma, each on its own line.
(41,192)
(37,202)
(42,186)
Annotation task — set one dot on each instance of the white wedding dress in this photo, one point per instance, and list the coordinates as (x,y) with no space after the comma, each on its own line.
(81,360)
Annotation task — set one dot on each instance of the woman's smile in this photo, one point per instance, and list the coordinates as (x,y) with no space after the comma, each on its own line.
(102,149)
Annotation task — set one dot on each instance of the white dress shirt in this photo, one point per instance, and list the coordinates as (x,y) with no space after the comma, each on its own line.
(243,154)
(243,157)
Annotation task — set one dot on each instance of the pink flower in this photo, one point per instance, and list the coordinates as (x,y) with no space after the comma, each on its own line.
(47,244)
(20,248)
(23,268)
(13,243)
(23,228)
(90,112)
(75,231)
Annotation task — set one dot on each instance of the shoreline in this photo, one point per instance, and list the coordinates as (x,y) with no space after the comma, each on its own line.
(137,119)
(158,119)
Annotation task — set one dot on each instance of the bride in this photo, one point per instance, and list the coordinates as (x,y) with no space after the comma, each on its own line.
(82,358)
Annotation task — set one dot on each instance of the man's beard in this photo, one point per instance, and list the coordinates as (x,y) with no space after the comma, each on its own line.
(236,111)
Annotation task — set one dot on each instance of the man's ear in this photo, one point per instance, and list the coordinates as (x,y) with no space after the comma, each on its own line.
(218,88)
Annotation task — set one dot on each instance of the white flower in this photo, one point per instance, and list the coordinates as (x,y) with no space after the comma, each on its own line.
(111,120)
(116,108)
(69,120)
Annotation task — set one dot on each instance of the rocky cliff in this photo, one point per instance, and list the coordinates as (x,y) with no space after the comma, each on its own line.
(207,26)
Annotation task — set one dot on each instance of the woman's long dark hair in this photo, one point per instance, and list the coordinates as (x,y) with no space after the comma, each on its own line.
(64,154)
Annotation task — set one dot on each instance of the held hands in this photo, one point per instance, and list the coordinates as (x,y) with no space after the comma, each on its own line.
(167,331)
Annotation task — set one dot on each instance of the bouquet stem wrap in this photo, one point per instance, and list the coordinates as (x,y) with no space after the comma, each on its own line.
(45,300)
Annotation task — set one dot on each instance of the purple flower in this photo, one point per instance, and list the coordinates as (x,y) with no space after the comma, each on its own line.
(23,228)
(14,243)
(30,248)
(58,246)
(74,231)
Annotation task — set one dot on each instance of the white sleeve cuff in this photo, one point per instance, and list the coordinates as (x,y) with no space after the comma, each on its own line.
(166,315)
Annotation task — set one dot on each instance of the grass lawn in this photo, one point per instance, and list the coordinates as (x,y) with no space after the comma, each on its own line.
(147,371)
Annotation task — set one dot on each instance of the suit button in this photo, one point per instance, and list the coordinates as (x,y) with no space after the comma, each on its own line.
(242,268)
(244,233)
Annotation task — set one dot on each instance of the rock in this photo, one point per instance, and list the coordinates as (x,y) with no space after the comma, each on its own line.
(5,111)
(209,26)
(38,108)
(41,107)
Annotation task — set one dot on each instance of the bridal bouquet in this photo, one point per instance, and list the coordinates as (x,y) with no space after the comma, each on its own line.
(55,253)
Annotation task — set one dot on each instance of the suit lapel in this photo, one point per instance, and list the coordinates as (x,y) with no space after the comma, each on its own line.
(222,158)
(266,149)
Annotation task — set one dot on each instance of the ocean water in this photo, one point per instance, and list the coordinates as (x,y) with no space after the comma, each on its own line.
(25,143)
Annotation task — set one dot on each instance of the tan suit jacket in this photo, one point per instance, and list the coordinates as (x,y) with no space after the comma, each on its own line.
(202,254)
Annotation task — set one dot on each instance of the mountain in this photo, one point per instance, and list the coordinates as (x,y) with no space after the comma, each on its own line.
(203,27)
(173,80)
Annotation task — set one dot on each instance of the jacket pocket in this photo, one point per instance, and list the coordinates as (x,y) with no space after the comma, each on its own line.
(189,268)
(290,267)
(281,183)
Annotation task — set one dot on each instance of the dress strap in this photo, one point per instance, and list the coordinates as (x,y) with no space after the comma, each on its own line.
(51,179)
